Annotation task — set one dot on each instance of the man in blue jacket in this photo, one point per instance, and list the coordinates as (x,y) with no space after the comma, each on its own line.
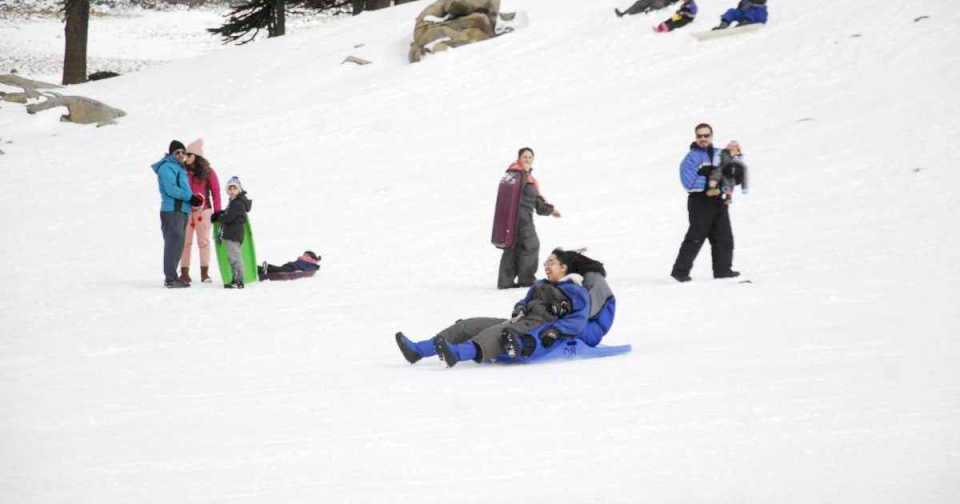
(176,199)
(706,208)
(555,308)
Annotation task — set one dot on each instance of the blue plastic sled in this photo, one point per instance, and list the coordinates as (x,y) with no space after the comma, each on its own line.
(567,350)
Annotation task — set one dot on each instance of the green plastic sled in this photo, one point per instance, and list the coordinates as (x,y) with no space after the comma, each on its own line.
(247,251)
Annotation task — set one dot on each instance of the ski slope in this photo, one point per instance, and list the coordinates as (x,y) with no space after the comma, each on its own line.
(832,377)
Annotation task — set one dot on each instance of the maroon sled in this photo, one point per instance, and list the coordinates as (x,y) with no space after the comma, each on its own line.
(289,275)
(508,209)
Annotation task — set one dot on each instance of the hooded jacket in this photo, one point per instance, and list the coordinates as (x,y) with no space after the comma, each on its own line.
(174,185)
(234,217)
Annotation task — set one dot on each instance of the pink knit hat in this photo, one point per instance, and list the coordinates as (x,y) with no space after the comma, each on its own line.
(196,147)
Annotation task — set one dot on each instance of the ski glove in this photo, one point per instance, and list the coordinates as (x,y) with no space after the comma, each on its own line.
(518,311)
(561,309)
(549,337)
(705,170)
(215,216)
(196,200)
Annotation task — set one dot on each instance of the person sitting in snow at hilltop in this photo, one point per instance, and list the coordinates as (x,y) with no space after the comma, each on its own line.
(309,262)
(747,12)
(232,222)
(555,308)
(644,6)
(684,16)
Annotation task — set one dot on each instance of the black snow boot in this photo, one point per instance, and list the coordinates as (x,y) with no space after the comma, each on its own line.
(722,26)
(446,354)
(727,274)
(406,348)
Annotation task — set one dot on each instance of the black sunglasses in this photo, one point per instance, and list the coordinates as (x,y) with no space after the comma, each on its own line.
(708,135)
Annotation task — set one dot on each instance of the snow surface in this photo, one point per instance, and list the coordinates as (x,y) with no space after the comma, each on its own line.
(832,377)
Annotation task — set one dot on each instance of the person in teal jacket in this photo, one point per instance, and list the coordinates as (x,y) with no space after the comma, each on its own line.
(176,199)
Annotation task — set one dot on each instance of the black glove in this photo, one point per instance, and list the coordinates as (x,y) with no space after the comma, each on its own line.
(195,200)
(560,309)
(518,311)
(215,216)
(549,337)
(705,170)
(728,170)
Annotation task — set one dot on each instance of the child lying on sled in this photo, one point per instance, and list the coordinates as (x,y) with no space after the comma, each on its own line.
(304,266)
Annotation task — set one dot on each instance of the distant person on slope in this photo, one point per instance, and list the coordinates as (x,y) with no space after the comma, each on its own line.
(176,198)
(553,309)
(232,222)
(701,173)
(518,264)
(684,16)
(644,6)
(747,12)
(203,182)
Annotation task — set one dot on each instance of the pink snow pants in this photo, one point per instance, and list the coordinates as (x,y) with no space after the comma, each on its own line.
(199,224)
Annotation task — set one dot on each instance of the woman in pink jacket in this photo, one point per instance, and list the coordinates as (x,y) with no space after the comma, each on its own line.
(203,182)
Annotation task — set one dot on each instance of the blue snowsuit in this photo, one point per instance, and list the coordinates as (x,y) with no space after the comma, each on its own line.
(599,325)
(747,12)
(480,338)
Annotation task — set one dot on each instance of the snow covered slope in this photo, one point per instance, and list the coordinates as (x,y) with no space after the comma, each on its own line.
(831,378)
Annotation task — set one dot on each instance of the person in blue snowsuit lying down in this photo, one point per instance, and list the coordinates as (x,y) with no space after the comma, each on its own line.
(747,12)
(554,309)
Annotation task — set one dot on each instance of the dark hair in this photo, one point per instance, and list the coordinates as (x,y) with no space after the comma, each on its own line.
(579,263)
(703,125)
(524,149)
(311,255)
(200,167)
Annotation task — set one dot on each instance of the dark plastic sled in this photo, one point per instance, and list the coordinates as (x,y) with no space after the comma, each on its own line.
(290,275)
(507,210)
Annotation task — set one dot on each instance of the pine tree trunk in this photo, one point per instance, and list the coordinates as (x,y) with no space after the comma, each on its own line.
(278,25)
(75,31)
(358,6)
(377,4)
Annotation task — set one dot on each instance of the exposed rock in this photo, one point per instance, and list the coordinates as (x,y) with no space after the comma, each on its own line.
(30,87)
(102,74)
(80,110)
(452,23)
(354,59)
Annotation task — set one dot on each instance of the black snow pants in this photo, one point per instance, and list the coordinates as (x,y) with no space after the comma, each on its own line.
(709,220)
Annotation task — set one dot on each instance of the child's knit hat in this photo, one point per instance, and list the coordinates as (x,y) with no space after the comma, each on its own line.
(235,181)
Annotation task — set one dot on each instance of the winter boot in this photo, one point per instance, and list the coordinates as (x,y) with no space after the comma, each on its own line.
(619,14)
(727,274)
(661,28)
(185,275)
(238,282)
(205,274)
(515,345)
(680,277)
(415,351)
(722,26)
(452,353)
(176,284)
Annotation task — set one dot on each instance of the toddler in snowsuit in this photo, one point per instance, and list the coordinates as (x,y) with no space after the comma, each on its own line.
(747,12)
(232,222)
(684,16)
(308,263)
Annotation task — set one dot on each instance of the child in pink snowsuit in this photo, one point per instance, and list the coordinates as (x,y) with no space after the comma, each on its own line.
(203,182)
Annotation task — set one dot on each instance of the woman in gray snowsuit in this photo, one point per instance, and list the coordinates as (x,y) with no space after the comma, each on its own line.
(518,264)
